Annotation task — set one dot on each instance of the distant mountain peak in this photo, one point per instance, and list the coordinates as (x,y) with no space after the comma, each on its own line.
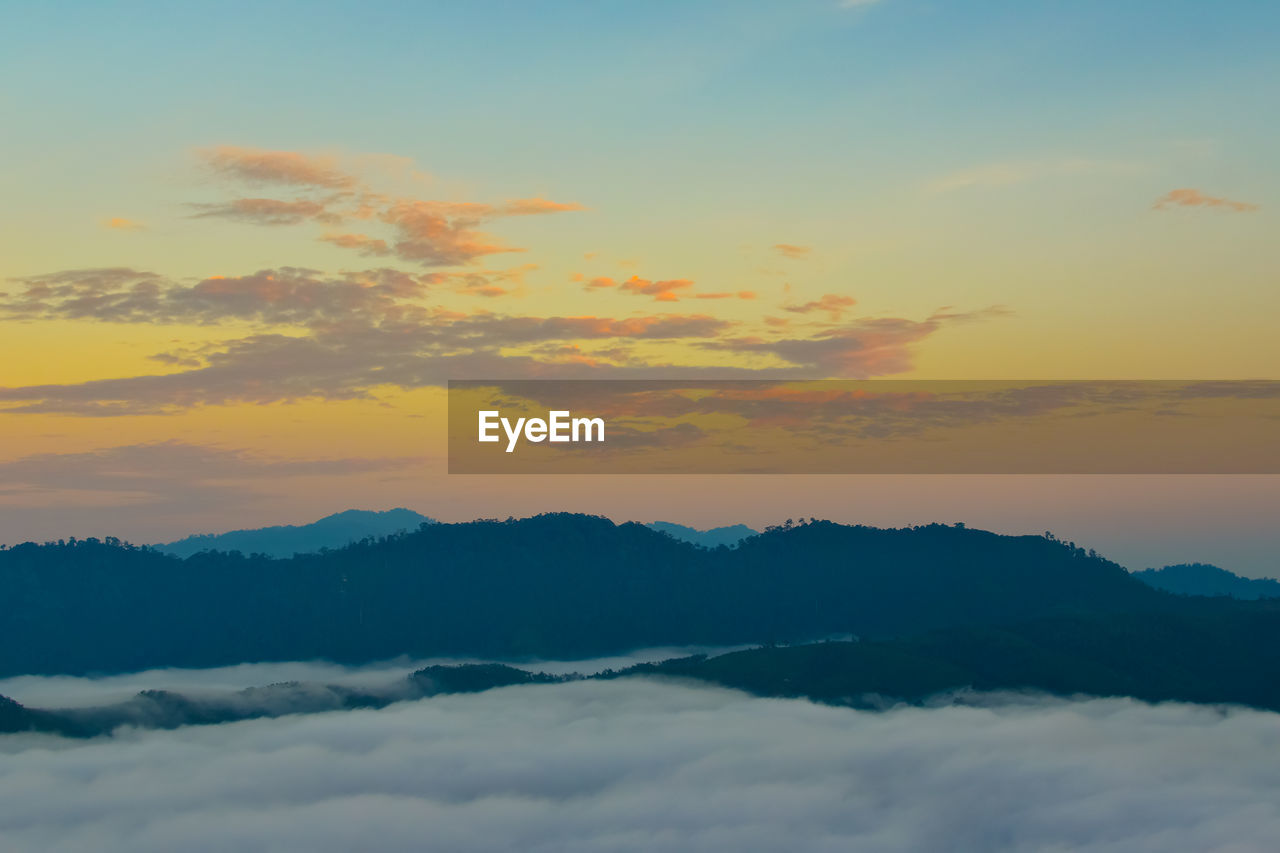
(729,536)
(285,540)
(1208,580)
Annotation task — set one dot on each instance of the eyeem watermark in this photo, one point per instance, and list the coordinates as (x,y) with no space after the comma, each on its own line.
(558,426)
(785,426)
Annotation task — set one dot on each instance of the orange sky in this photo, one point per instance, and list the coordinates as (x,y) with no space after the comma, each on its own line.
(231,299)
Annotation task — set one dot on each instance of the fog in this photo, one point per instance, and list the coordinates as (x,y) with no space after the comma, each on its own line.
(66,691)
(643,764)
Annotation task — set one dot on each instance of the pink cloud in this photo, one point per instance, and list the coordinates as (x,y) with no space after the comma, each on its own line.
(362,243)
(662,291)
(267,211)
(834,304)
(1195,198)
(256,165)
(789,250)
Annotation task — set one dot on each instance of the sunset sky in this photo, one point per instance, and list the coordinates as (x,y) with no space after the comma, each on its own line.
(244,245)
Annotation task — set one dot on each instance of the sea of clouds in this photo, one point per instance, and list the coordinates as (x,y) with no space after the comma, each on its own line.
(651,765)
(74,691)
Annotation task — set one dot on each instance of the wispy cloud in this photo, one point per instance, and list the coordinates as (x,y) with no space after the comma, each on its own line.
(862,349)
(268,211)
(1018,172)
(668,290)
(428,232)
(119,223)
(662,291)
(833,304)
(1195,198)
(342,337)
(362,243)
(287,296)
(790,250)
(291,168)
(177,475)
(345,335)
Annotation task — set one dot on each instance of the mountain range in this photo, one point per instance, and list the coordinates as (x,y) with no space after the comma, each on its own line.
(1219,655)
(332,531)
(344,528)
(553,586)
(728,536)
(932,609)
(1206,580)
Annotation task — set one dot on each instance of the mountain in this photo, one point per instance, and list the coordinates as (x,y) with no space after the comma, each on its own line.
(1203,579)
(332,531)
(713,538)
(551,586)
(1218,653)
(1215,655)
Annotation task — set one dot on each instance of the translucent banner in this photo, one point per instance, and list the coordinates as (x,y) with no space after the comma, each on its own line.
(863,427)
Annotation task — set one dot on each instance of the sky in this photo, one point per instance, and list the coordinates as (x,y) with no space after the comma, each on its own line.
(245,244)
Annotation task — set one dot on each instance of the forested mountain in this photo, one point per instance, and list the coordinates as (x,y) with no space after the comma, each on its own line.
(332,531)
(1219,652)
(1203,579)
(1228,652)
(556,585)
(713,538)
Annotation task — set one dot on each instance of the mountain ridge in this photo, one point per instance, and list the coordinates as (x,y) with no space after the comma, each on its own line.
(557,586)
(729,535)
(285,540)
(1203,579)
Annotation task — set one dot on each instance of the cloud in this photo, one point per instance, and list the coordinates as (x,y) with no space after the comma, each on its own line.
(741,294)
(348,360)
(788,250)
(439,233)
(645,765)
(78,691)
(427,232)
(671,290)
(286,296)
(1195,198)
(834,304)
(362,243)
(119,223)
(351,334)
(834,411)
(267,211)
(487,283)
(290,168)
(431,233)
(662,291)
(164,469)
(316,335)
(876,346)
(158,491)
(105,293)
(536,207)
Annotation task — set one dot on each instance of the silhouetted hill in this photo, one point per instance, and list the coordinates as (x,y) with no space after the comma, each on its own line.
(1225,654)
(1217,652)
(474,677)
(713,538)
(557,585)
(332,531)
(1203,579)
